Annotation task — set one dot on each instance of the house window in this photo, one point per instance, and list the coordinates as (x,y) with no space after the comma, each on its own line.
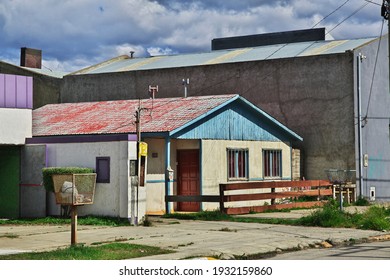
(237,164)
(272,163)
(103,170)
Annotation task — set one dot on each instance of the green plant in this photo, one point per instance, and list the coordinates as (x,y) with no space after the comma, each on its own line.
(361,201)
(47,173)
(329,216)
(376,218)
(111,251)
(147,222)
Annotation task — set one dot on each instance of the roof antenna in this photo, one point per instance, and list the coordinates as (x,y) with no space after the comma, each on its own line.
(153,90)
(185,83)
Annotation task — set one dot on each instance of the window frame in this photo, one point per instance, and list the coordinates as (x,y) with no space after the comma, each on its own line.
(98,178)
(238,169)
(270,170)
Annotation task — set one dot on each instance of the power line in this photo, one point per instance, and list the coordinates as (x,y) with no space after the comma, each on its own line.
(254,65)
(373,74)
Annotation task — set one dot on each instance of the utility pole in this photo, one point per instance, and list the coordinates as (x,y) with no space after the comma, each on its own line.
(138,131)
(385,12)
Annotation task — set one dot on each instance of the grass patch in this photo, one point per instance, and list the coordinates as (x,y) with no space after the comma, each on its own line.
(113,251)
(87,220)
(375,218)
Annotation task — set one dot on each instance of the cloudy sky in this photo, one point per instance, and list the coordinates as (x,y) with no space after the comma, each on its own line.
(73,34)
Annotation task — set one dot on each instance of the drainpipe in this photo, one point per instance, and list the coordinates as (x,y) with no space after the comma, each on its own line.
(360,58)
(167,168)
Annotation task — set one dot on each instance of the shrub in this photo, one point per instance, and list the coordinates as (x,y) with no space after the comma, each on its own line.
(361,201)
(47,173)
(329,216)
(376,218)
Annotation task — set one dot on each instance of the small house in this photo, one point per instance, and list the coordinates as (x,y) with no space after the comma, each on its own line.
(193,145)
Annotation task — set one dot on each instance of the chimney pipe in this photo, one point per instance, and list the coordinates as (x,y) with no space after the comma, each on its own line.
(31,58)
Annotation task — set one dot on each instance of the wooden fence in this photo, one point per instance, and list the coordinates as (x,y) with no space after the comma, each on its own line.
(278,190)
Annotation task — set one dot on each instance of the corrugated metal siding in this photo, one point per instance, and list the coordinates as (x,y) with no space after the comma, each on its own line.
(227,56)
(16,91)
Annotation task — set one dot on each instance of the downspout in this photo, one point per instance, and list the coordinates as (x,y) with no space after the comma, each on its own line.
(167,168)
(359,107)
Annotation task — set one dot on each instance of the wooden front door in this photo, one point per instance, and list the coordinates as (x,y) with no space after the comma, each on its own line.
(188,178)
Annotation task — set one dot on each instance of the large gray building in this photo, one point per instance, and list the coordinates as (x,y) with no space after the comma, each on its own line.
(310,85)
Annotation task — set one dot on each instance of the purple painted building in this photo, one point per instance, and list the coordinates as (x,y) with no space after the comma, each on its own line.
(16,95)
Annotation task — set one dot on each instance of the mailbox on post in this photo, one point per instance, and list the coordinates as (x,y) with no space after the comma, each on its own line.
(74,190)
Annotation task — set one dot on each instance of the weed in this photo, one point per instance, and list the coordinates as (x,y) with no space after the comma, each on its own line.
(361,201)
(376,218)
(147,222)
(225,229)
(184,245)
(9,235)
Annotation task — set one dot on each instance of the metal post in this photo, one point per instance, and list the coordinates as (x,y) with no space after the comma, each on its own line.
(385,11)
(167,167)
(341,197)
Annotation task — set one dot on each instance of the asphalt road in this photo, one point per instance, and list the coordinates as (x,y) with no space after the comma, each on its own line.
(364,251)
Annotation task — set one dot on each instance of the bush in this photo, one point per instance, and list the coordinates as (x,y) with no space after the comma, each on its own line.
(47,173)
(361,201)
(329,216)
(376,218)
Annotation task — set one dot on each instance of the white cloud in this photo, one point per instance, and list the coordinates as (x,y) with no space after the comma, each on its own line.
(73,32)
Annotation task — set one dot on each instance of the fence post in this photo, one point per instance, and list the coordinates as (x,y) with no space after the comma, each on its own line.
(221,198)
(272,199)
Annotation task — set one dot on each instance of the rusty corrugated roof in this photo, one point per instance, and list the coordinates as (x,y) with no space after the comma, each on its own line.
(113,117)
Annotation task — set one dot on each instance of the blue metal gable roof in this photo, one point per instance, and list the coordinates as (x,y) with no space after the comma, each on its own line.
(236,119)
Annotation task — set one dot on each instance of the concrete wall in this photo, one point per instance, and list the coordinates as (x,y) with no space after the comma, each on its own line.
(115,199)
(312,95)
(376,126)
(15,125)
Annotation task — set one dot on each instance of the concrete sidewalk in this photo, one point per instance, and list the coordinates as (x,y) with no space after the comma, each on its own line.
(187,238)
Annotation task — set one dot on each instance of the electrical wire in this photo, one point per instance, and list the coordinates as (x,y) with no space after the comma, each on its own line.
(284,45)
(373,73)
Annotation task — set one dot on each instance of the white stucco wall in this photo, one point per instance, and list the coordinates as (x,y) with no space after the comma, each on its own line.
(113,199)
(214,164)
(213,167)
(15,125)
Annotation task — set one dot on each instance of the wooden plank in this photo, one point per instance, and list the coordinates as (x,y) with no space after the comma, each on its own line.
(259,209)
(263,196)
(192,198)
(274,184)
